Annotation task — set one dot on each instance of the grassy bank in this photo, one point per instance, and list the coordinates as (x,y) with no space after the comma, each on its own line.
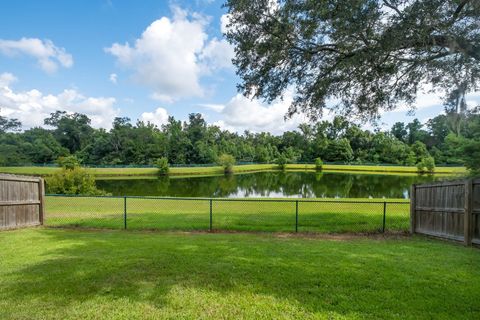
(58,274)
(321,216)
(179,171)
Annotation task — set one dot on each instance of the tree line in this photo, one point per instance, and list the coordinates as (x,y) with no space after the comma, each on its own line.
(448,138)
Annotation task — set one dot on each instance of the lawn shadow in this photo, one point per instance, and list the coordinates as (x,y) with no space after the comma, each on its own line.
(318,277)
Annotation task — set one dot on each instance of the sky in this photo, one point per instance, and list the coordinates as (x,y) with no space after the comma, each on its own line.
(144,60)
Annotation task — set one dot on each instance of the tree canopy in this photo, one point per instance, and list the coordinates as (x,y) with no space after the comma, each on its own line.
(196,142)
(357,57)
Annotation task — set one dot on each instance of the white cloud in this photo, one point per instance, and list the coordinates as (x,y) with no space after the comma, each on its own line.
(32,106)
(224,21)
(212,106)
(218,54)
(172,55)
(49,57)
(424,100)
(113,78)
(242,113)
(6,79)
(158,117)
(223,126)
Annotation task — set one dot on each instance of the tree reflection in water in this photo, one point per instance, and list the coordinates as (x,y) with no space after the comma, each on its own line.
(270,184)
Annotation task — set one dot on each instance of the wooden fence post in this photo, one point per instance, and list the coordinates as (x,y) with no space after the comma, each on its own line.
(41,198)
(468,213)
(413,213)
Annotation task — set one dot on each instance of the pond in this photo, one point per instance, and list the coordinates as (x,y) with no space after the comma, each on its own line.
(270,184)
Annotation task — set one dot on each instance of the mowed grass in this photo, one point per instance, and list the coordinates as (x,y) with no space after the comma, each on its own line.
(179,171)
(323,215)
(71,274)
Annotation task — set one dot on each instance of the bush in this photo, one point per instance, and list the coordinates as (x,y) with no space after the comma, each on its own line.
(226,161)
(68,162)
(318,164)
(421,167)
(162,165)
(282,161)
(427,164)
(73,181)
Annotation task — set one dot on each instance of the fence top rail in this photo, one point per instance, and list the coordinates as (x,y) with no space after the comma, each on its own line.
(457,182)
(441,184)
(13,177)
(289,200)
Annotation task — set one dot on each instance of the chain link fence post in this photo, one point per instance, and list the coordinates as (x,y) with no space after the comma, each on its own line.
(384,215)
(296,216)
(211,215)
(125,212)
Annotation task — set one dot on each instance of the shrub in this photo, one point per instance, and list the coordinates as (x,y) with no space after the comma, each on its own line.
(318,164)
(226,161)
(282,161)
(162,166)
(429,163)
(421,167)
(73,181)
(68,162)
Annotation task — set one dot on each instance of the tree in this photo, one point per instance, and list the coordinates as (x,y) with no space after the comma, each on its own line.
(162,166)
(399,131)
(427,164)
(472,156)
(420,150)
(226,161)
(177,141)
(69,162)
(282,161)
(369,55)
(339,150)
(456,107)
(415,132)
(318,164)
(9,124)
(73,131)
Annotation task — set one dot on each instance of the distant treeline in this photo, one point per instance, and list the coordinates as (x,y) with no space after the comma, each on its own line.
(449,139)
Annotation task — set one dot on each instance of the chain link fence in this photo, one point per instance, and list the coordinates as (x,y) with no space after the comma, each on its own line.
(211,214)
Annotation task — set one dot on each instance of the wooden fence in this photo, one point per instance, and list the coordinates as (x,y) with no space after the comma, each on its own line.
(449,210)
(21,201)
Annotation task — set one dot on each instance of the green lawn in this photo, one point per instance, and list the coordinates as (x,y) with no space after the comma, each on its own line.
(326,216)
(65,274)
(108,172)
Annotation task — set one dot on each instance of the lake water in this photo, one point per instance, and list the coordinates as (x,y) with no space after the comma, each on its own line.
(270,184)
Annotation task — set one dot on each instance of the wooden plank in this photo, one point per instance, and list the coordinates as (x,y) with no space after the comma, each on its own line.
(439,209)
(413,205)
(8,177)
(19,203)
(443,236)
(468,222)
(440,184)
(41,198)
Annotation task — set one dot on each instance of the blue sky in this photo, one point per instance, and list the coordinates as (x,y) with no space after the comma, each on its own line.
(144,60)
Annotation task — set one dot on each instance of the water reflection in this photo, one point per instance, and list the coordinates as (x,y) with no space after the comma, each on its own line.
(270,184)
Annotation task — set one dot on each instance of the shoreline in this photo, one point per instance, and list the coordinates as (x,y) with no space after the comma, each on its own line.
(241,169)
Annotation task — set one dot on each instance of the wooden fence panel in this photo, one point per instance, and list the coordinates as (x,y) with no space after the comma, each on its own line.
(476,211)
(448,210)
(21,201)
